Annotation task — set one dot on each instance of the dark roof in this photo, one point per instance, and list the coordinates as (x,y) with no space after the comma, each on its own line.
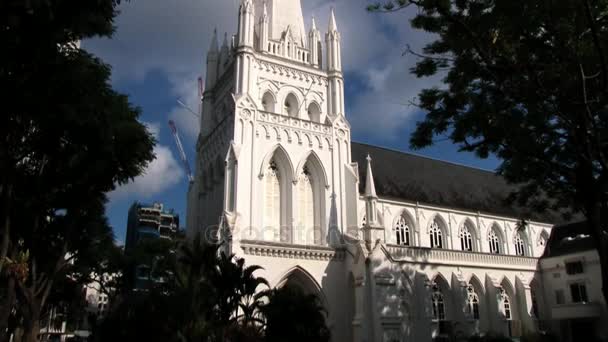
(569,238)
(410,177)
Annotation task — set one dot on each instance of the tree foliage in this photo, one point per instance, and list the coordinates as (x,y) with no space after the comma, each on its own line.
(67,139)
(210,296)
(526,81)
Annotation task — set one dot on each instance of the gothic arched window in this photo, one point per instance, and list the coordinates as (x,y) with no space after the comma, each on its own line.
(306,209)
(472,302)
(494,241)
(505,302)
(436,235)
(268,102)
(290,106)
(520,245)
(272,203)
(438,304)
(314,112)
(402,232)
(542,239)
(466,238)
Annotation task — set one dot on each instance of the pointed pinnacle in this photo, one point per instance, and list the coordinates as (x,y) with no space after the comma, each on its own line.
(214,46)
(332,21)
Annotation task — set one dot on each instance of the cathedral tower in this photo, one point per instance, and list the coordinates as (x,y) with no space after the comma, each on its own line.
(274,143)
(273,155)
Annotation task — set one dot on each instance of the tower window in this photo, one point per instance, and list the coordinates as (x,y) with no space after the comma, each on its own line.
(290,106)
(272,205)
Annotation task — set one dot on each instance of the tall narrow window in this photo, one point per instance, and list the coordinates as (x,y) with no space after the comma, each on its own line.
(466,239)
(436,235)
(438,304)
(306,209)
(472,302)
(230,175)
(314,112)
(520,246)
(402,231)
(290,106)
(272,203)
(494,241)
(506,303)
(268,102)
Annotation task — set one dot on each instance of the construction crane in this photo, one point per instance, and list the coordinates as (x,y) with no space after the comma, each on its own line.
(180,147)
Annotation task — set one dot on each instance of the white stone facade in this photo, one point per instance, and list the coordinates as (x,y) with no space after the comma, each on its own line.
(276,183)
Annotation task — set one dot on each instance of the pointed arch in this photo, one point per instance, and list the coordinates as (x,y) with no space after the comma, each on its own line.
(300,278)
(507,301)
(437,228)
(475,281)
(506,283)
(440,298)
(543,239)
(468,236)
(311,185)
(291,105)
(521,243)
(279,152)
(312,157)
(474,305)
(276,174)
(441,281)
(404,228)
(314,112)
(496,239)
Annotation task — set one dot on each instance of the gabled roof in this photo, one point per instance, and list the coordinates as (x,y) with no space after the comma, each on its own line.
(414,178)
(569,238)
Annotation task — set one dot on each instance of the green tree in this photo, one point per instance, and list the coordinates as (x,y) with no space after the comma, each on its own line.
(526,81)
(292,315)
(67,139)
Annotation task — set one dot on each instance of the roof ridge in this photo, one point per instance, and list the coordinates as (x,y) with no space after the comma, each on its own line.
(427,157)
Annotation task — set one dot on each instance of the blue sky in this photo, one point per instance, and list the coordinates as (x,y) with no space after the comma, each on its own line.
(158,52)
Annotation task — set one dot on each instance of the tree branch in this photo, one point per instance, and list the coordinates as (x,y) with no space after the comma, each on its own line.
(598,45)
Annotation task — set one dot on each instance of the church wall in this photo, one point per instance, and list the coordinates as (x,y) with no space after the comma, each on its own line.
(422,216)
(402,298)
(324,266)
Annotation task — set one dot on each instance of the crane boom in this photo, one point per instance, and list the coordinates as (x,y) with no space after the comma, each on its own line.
(180,147)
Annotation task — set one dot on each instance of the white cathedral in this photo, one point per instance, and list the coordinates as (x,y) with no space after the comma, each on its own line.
(398,247)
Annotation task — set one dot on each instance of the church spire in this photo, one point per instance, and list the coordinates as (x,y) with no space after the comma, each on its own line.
(314,40)
(212,62)
(246,23)
(370,187)
(370,196)
(334,68)
(332,22)
(213,47)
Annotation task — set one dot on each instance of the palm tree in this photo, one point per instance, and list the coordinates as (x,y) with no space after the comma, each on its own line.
(238,297)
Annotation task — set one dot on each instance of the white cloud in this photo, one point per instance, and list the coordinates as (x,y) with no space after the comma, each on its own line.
(161,174)
(173,37)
